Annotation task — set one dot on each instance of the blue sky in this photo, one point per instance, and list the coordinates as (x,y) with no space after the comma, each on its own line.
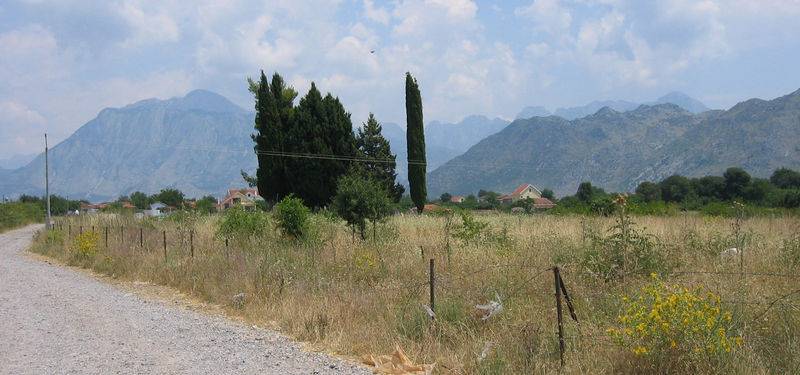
(63,61)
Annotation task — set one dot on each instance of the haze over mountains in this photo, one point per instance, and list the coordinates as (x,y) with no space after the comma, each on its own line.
(682,100)
(200,142)
(617,150)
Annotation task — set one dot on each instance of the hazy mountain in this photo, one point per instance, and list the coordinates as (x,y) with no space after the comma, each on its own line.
(443,141)
(680,99)
(572,113)
(531,111)
(197,144)
(16,161)
(617,150)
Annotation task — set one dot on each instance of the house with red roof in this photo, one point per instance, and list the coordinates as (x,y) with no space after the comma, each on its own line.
(458,199)
(524,192)
(243,198)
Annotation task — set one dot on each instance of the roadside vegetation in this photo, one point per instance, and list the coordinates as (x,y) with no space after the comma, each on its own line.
(652,294)
(19,214)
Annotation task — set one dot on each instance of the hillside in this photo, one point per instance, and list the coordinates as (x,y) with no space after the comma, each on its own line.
(617,150)
(197,144)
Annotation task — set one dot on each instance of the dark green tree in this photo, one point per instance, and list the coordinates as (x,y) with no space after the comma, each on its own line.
(415,142)
(585,192)
(380,162)
(675,188)
(548,194)
(170,197)
(785,178)
(273,122)
(650,191)
(445,197)
(322,129)
(140,200)
(709,188)
(360,198)
(736,180)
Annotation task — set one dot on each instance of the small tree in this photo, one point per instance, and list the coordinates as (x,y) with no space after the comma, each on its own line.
(359,199)
(445,197)
(291,217)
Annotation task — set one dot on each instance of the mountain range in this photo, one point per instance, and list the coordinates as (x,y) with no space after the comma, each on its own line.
(618,150)
(197,144)
(570,113)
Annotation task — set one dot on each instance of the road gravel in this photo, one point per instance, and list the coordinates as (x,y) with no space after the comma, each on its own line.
(56,320)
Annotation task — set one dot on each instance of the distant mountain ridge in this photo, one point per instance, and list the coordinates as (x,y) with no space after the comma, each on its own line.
(570,113)
(197,143)
(618,150)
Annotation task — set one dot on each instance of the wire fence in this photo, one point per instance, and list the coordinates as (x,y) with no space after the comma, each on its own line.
(533,281)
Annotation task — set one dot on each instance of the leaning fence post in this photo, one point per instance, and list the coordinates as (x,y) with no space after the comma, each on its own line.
(557,278)
(432,284)
(141,237)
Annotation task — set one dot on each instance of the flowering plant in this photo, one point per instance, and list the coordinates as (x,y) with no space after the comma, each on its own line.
(666,321)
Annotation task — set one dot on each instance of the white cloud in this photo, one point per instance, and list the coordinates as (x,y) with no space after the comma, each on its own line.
(548,16)
(379,15)
(155,26)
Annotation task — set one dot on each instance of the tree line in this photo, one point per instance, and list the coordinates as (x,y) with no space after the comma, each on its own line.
(711,194)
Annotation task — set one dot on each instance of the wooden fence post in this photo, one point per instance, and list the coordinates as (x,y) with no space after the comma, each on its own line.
(432,278)
(557,278)
(106,237)
(165,246)
(122,235)
(141,237)
(191,242)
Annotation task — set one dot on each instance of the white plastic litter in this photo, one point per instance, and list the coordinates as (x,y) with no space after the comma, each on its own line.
(430,312)
(493,307)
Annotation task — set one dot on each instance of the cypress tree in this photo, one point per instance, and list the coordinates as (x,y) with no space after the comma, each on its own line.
(272,122)
(415,141)
(323,128)
(380,164)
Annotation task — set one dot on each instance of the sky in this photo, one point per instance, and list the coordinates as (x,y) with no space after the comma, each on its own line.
(63,61)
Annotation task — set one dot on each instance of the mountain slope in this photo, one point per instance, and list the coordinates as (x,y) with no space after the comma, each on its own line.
(197,144)
(619,150)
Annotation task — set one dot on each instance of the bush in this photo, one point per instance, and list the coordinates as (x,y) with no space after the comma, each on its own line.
(240,223)
(626,249)
(291,217)
(663,324)
(18,214)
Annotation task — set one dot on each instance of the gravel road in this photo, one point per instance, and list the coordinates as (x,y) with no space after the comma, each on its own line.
(54,320)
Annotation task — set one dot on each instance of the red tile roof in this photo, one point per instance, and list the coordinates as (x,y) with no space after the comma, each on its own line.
(520,189)
(543,203)
(457,199)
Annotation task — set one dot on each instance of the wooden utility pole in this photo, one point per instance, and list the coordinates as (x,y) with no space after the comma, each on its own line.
(47,182)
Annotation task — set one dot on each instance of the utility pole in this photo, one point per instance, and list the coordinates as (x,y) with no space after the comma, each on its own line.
(47,182)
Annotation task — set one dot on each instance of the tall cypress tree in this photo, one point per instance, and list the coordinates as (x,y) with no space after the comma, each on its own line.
(380,164)
(273,119)
(415,141)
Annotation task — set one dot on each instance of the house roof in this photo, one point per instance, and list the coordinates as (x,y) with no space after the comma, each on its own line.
(520,189)
(243,191)
(457,198)
(504,196)
(543,203)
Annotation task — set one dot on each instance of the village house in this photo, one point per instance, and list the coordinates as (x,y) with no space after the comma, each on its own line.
(458,199)
(243,198)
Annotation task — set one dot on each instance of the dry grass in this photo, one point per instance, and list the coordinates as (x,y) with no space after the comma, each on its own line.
(356,298)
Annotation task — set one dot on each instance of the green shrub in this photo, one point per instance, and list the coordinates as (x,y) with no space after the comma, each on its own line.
(625,250)
(291,217)
(470,228)
(19,214)
(242,224)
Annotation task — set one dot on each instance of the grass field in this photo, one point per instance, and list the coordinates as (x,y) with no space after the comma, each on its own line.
(355,297)
(17,214)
